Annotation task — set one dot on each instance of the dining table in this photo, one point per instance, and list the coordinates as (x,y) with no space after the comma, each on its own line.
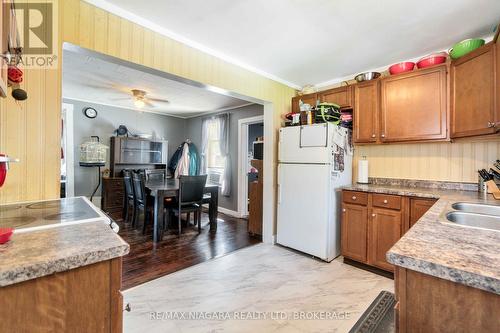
(161,189)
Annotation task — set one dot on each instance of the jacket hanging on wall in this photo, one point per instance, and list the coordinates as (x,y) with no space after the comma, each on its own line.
(185,161)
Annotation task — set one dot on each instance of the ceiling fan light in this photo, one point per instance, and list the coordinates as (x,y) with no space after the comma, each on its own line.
(139,103)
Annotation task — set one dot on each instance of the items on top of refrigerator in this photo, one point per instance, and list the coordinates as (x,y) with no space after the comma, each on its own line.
(327,112)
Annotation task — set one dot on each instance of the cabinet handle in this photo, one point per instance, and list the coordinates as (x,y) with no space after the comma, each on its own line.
(127,308)
(354,197)
(491,124)
(343,209)
(383,135)
(373,135)
(385,201)
(373,215)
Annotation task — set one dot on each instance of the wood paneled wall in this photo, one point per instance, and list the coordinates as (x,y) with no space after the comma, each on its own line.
(32,132)
(458,161)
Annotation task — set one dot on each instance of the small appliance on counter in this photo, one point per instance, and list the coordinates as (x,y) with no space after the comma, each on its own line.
(37,215)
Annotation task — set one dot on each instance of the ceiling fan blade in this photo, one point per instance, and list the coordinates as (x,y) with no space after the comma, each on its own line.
(148,103)
(121,99)
(158,100)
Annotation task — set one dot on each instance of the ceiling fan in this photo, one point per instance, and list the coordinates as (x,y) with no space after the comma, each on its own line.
(140,99)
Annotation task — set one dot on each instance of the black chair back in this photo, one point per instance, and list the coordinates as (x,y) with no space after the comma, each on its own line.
(191,188)
(139,189)
(127,179)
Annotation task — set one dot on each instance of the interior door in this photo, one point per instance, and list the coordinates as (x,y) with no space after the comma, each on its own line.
(303,207)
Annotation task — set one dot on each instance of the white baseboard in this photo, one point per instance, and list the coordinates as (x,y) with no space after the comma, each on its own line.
(229,212)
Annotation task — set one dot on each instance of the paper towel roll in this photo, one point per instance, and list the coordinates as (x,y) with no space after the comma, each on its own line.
(363,171)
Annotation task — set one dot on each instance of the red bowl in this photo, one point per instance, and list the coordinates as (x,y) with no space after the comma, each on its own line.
(432,59)
(402,67)
(5,234)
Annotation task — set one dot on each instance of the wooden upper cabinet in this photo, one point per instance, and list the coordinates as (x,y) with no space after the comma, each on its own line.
(307,99)
(414,106)
(342,96)
(354,231)
(366,109)
(473,93)
(385,228)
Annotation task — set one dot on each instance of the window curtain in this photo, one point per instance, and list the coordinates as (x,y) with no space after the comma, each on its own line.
(223,126)
(204,146)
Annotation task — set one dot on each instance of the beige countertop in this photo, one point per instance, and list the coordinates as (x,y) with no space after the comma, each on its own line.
(31,255)
(434,246)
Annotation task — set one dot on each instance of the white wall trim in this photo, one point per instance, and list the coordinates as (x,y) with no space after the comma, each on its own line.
(271,124)
(242,155)
(168,33)
(68,111)
(230,212)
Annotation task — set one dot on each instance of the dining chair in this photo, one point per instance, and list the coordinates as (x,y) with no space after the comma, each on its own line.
(142,201)
(129,196)
(190,199)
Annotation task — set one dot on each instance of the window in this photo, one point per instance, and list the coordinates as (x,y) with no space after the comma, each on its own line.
(215,160)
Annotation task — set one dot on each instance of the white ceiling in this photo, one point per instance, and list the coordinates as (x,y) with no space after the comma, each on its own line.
(301,42)
(92,79)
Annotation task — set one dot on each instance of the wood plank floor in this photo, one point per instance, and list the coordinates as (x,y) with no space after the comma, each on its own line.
(147,261)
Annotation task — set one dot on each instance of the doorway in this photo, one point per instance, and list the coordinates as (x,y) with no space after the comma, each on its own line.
(250,167)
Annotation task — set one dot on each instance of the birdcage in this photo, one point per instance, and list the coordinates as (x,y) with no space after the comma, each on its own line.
(93,153)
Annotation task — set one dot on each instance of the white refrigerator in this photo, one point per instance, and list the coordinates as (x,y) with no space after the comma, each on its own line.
(310,173)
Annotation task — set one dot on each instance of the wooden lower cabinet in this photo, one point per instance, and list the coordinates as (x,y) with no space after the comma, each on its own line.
(427,304)
(85,299)
(418,207)
(372,223)
(384,230)
(354,231)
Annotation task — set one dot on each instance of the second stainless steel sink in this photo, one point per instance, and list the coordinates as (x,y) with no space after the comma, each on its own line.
(490,222)
(477,208)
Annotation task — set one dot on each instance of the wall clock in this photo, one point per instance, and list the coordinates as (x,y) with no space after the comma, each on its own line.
(90,112)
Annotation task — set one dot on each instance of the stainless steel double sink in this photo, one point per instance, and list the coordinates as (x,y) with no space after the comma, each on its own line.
(475,215)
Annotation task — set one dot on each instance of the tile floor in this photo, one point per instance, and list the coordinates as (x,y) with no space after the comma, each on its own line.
(269,285)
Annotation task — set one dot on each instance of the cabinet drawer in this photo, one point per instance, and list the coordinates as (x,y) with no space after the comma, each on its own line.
(353,197)
(387,201)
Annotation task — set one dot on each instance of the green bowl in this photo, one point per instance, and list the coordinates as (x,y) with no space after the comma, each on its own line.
(462,48)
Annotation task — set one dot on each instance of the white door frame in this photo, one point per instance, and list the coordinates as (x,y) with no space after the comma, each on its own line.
(69,154)
(242,161)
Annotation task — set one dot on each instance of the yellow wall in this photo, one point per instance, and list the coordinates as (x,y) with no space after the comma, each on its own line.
(458,161)
(32,132)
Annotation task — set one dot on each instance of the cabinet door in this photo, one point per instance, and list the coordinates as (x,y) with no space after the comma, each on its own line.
(384,231)
(366,107)
(414,106)
(354,231)
(418,207)
(307,99)
(341,96)
(473,93)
